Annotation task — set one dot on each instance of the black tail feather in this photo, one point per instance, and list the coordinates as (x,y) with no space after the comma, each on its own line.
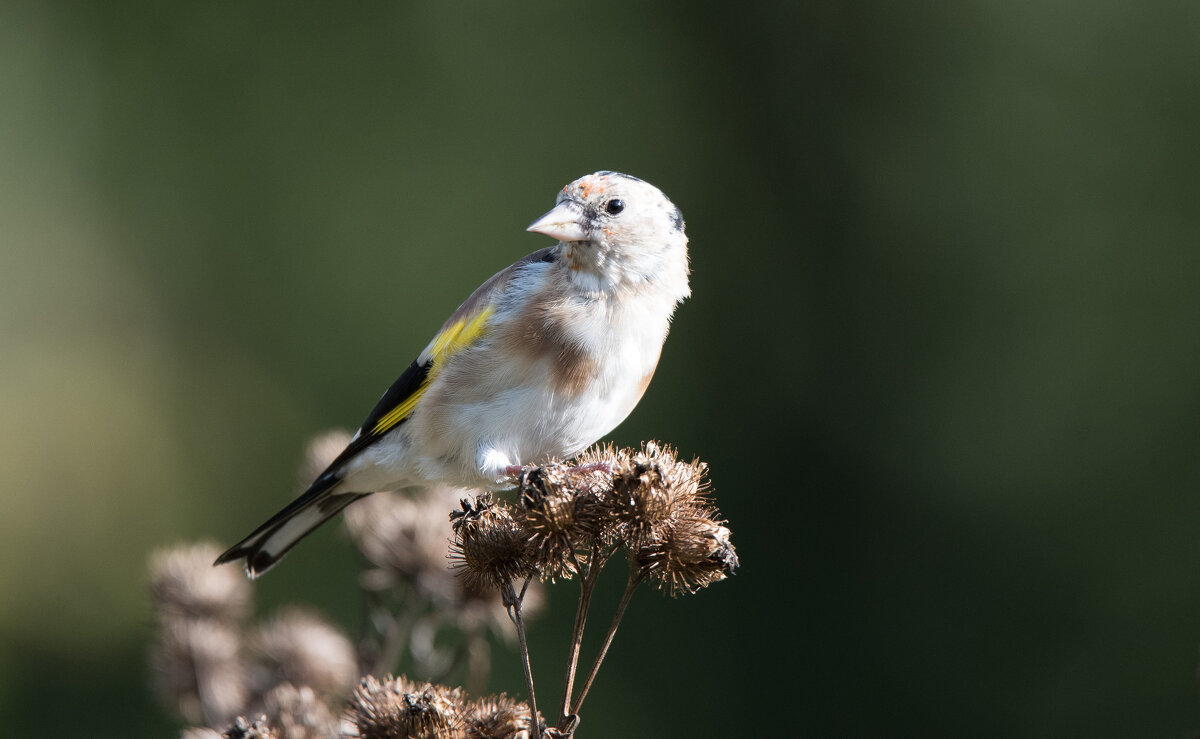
(254,549)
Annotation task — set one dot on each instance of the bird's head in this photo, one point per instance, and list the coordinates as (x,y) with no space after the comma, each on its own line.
(618,231)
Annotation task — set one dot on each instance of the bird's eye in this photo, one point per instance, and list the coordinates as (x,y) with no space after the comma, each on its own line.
(614,206)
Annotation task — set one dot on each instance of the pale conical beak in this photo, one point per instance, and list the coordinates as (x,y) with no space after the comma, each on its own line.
(565,223)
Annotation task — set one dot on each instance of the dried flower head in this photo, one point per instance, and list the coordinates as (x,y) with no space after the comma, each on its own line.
(185,584)
(322,449)
(497,717)
(489,545)
(396,708)
(299,713)
(649,487)
(404,536)
(689,553)
(561,513)
(243,728)
(198,671)
(308,651)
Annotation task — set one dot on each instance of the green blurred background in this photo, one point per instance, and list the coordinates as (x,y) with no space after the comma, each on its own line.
(942,353)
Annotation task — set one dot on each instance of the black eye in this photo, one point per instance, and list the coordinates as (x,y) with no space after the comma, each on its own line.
(614,206)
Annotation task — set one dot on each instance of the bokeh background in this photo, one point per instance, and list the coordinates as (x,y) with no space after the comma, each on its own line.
(942,354)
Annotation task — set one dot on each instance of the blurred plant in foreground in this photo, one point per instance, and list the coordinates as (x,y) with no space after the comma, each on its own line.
(285,678)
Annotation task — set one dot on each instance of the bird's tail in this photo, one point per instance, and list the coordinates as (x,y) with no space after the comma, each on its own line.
(269,542)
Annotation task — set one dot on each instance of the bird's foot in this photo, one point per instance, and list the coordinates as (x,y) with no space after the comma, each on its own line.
(513,470)
(601,467)
(516,472)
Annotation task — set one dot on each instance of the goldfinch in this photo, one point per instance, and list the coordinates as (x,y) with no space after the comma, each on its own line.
(542,360)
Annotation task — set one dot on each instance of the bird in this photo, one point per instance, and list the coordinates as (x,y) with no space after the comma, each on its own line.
(543,360)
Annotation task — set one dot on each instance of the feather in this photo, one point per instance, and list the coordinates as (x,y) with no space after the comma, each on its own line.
(269,542)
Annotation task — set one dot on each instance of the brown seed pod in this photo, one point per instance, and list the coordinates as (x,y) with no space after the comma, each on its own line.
(397,708)
(489,548)
(692,552)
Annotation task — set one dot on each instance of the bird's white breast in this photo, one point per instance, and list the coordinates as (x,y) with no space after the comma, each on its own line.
(525,394)
(555,371)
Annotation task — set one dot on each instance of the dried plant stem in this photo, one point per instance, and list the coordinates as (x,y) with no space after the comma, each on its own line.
(394,642)
(587,585)
(204,689)
(634,581)
(479,662)
(513,602)
(460,656)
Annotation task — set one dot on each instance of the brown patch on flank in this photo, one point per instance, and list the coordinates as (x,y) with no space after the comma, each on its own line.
(645,381)
(574,370)
(496,282)
(541,332)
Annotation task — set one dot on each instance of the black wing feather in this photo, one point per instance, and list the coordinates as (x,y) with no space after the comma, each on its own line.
(401,389)
(410,380)
(404,386)
(244,547)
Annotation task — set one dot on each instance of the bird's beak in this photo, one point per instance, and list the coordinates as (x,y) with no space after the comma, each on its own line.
(565,223)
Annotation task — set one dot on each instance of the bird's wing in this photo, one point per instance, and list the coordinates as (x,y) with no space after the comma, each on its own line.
(467,325)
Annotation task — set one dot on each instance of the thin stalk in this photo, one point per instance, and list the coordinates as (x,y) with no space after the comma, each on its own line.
(206,688)
(514,612)
(634,581)
(394,642)
(460,656)
(479,664)
(587,585)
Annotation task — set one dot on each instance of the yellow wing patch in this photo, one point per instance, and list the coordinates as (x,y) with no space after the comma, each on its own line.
(400,412)
(459,335)
(453,339)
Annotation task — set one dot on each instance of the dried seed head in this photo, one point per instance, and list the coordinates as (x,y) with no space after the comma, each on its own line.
(245,729)
(397,708)
(307,651)
(184,583)
(561,513)
(649,487)
(198,671)
(497,717)
(299,713)
(691,552)
(322,449)
(404,536)
(489,546)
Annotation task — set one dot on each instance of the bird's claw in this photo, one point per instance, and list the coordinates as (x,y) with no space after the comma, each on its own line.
(602,467)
